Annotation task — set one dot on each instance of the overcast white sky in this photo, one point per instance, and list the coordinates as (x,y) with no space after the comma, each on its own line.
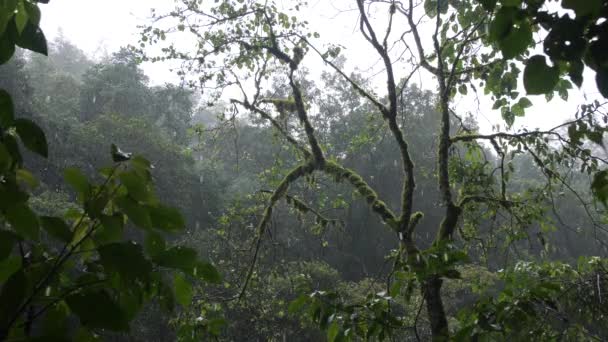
(100,27)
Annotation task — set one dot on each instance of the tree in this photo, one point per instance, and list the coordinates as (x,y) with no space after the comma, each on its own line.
(471,44)
(55,268)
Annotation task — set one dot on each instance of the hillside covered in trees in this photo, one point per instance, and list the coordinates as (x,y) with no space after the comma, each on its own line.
(277,193)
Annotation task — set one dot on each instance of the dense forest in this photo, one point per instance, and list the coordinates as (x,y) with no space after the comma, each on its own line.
(265,198)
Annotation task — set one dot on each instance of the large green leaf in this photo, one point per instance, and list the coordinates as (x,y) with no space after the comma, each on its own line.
(178,257)
(32,38)
(136,185)
(583,7)
(539,78)
(7,48)
(167,218)
(24,221)
(32,136)
(111,230)
(136,212)
(57,228)
(78,181)
(154,244)
(9,266)
(127,259)
(98,310)
(207,272)
(183,290)
(7,242)
(11,296)
(7,109)
(5,159)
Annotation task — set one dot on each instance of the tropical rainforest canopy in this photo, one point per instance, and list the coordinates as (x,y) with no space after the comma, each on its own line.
(277,193)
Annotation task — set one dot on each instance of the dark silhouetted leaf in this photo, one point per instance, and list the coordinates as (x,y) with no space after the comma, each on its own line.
(137,213)
(98,310)
(57,228)
(24,221)
(7,109)
(32,39)
(539,78)
(32,136)
(127,259)
(167,218)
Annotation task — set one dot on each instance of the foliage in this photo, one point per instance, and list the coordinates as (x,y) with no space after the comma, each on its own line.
(58,267)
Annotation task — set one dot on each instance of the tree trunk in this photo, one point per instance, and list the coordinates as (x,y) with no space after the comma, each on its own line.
(431,291)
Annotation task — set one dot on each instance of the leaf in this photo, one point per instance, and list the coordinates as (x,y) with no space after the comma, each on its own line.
(430,7)
(32,38)
(24,176)
(7,242)
(33,12)
(183,290)
(599,186)
(517,40)
(207,272)
(488,5)
(539,78)
(32,136)
(154,244)
(7,109)
(137,213)
(57,228)
(583,8)
(297,304)
(333,331)
(126,259)
(24,221)
(97,310)
(8,267)
(21,17)
(601,79)
(7,48)
(524,102)
(11,296)
(167,218)
(5,159)
(111,229)
(136,186)
(179,257)
(78,181)
(118,155)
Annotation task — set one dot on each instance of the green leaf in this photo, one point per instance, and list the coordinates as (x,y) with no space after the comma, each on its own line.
(539,78)
(488,5)
(98,310)
(583,8)
(11,296)
(21,17)
(430,7)
(33,12)
(167,218)
(111,229)
(7,109)
(5,159)
(7,48)
(524,102)
(516,41)
(183,290)
(32,136)
(26,177)
(332,331)
(57,228)
(137,213)
(78,181)
(297,304)
(118,155)
(32,38)
(178,257)
(24,221)
(8,267)
(7,242)
(154,244)
(599,186)
(136,186)
(207,272)
(126,259)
